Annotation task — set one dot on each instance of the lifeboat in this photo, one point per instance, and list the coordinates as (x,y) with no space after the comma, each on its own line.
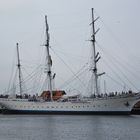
(57,94)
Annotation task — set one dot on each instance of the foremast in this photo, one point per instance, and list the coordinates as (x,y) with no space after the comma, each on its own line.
(19,70)
(95,57)
(48,59)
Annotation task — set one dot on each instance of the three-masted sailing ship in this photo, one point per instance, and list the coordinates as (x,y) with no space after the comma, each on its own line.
(51,104)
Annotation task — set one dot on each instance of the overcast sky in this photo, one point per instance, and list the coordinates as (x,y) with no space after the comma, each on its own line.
(118,38)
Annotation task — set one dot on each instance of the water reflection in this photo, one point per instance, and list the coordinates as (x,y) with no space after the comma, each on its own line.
(49,127)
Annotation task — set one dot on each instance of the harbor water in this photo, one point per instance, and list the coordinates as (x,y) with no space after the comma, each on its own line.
(60,127)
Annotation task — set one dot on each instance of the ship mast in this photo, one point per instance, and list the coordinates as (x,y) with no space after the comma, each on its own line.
(19,70)
(95,57)
(49,61)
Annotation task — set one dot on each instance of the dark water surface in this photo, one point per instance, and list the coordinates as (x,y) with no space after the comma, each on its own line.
(51,127)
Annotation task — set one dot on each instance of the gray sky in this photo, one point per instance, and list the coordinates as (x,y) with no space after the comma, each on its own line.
(119,23)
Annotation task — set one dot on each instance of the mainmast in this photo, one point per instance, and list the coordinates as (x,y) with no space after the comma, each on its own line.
(19,70)
(48,58)
(95,56)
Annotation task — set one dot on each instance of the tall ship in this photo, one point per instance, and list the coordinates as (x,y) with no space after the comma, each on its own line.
(56,101)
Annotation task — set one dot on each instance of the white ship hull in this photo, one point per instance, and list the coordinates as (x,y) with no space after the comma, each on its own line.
(114,105)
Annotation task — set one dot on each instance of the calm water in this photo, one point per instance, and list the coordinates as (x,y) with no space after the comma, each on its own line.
(29,127)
